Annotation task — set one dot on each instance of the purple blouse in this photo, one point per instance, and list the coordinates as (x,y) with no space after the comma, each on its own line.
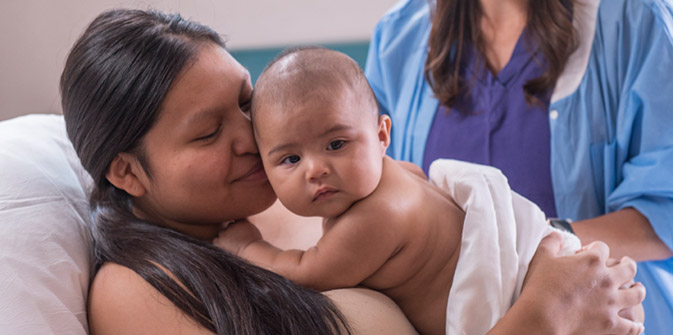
(492,124)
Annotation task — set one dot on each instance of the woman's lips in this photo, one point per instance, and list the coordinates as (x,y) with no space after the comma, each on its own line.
(254,174)
(324,193)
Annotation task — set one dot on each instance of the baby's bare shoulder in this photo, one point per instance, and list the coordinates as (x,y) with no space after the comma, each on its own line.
(411,167)
(399,195)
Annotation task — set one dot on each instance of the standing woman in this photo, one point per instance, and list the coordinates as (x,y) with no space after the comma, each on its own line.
(572,100)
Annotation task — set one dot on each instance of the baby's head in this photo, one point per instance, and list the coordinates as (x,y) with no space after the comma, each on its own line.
(318,130)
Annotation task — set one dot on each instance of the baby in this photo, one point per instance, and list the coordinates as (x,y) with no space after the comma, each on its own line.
(316,122)
(323,145)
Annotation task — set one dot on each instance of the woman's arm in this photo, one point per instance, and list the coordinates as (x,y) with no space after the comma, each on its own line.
(627,232)
(122,302)
(579,294)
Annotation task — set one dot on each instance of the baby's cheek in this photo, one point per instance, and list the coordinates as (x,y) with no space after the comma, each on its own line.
(288,192)
(367,179)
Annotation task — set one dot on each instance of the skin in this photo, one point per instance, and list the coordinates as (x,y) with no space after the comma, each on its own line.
(308,144)
(547,320)
(121,302)
(204,172)
(205,165)
(366,208)
(626,231)
(501,26)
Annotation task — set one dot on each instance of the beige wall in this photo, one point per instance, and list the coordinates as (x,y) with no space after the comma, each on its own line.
(35,35)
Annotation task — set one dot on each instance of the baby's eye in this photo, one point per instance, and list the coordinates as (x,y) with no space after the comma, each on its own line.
(336,145)
(292,159)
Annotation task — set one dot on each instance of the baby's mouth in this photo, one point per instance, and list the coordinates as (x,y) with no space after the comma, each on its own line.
(324,193)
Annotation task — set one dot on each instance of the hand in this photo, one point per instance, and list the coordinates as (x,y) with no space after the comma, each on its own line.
(236,236)
(634,313)
(583,293)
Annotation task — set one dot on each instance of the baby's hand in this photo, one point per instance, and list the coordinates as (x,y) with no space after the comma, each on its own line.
(237,236)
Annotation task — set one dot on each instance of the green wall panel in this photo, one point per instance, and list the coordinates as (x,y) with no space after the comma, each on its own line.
(256,59)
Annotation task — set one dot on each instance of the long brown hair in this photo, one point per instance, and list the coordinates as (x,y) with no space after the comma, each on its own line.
(114,80)
(455,26)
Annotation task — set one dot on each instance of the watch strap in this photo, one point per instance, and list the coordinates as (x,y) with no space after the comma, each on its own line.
(561,224)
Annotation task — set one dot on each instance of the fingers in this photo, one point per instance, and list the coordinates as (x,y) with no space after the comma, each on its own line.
(632,296)
(218,242)
(225,225)
(635,313)
(624,271)
(597,248)
(628,327)
(551,244)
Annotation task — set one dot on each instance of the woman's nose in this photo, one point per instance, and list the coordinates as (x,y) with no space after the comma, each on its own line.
(244,141)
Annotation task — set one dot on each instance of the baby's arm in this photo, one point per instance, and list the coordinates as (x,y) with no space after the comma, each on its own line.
(351,251)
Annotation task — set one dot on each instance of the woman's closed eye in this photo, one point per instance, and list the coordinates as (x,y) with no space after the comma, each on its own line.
(211,135)
(290,160)
(336,145)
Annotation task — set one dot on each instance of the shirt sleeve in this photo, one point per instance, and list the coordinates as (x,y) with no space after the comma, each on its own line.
(374,72)
(647,123)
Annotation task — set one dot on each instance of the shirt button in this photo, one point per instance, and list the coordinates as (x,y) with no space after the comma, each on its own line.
(553,114)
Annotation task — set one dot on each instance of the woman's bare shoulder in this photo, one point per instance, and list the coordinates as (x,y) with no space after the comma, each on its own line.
(122,302)
(370,312)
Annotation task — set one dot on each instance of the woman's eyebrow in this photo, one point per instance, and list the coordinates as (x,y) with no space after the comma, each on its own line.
(213,113)
(201,115)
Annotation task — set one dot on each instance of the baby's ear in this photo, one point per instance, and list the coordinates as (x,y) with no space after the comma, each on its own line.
(126,173)
(384,131)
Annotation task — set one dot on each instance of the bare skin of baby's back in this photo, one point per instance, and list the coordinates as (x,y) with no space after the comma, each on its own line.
(426,226)
(403,240)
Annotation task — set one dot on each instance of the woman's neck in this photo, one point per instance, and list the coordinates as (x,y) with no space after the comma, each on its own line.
(501,25)
(499,12)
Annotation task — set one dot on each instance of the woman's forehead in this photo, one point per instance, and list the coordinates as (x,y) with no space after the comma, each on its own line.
(213,81)
(213,64)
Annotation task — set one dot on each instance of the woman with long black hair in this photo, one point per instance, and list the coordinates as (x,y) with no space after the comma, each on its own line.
(155,108)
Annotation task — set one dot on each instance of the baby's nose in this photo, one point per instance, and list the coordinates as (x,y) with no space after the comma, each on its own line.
(316,169)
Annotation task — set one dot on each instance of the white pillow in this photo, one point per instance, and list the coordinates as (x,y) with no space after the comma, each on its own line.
(45,244)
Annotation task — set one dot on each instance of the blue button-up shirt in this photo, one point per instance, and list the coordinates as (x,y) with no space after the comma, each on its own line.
(610,117)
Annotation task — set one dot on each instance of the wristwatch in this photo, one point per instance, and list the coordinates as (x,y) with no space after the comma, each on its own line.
(561,224)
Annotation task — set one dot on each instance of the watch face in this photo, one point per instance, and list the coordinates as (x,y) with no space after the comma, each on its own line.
(562,225)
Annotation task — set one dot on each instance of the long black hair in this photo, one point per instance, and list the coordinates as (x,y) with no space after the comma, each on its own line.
(115,79)
(455,25)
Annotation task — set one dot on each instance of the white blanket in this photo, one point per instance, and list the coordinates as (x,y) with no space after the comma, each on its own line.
(500,235)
